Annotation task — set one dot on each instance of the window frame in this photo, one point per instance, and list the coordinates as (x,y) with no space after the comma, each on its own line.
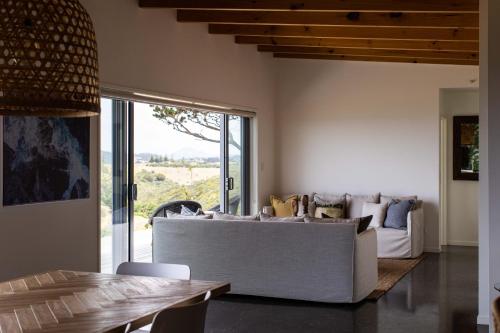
(124,187)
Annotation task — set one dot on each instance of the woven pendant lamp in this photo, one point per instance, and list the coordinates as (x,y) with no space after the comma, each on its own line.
(48,59)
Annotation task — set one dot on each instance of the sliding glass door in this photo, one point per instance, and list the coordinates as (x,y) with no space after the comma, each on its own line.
(235,163)
(114,184)
(176,157)
(155,154)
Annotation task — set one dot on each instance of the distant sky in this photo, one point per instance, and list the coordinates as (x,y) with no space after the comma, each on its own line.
(154,136)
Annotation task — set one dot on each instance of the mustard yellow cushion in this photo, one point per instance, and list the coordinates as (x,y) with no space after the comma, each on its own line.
(285,208)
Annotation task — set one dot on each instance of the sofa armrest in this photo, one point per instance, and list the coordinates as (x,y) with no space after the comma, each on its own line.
(268,210)
(365,264)
(416,230)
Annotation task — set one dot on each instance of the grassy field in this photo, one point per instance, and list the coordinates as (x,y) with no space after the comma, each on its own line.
(179,175)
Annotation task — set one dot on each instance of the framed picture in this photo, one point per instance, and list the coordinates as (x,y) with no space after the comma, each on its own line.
(45,159)
(466,148)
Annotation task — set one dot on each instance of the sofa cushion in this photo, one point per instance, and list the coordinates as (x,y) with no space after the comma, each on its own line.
(231,217)
(188,212)
(303,208)
(270,218)
(285,208)
(327,200)
(172,215)
(378,211)
(337,211)
(362,222)
(397,214)
(309,219)
(355,203)
(387,198)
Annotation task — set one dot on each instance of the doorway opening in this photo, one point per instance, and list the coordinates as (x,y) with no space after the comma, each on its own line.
(459,197)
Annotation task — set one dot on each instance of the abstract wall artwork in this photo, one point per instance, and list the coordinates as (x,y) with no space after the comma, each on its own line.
(45,159)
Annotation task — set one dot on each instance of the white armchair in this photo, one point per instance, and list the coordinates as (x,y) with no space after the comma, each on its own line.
(395,243)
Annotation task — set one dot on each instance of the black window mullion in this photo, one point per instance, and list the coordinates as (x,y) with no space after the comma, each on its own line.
(130,180)
(245,166)
(224,165)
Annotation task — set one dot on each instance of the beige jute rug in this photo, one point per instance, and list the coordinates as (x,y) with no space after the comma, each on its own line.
(390,271)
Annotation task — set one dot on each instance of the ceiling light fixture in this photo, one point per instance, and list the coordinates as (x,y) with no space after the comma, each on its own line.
(48,59)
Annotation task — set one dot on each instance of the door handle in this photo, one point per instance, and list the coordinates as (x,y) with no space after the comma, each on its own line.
(229,184)
(133,192)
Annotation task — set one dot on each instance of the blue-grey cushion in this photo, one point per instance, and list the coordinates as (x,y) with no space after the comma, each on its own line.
(397,214)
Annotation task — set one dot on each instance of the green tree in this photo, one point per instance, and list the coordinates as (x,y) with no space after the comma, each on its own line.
(182,120)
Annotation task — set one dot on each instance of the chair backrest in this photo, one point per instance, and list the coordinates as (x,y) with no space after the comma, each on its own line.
(234,203)
(172,271)
(189,318)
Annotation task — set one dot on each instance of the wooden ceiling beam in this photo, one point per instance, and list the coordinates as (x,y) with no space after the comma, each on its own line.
(361,43)
(330,5)
(370,52)
(378,59)
(456,34)
(394,19)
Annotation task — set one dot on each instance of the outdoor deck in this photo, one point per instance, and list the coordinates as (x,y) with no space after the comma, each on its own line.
(142,253)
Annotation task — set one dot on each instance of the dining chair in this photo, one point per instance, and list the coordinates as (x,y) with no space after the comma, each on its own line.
(171,271)
(189,318)
(496,314)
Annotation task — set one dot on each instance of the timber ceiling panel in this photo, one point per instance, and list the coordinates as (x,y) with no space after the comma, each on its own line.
(415,31)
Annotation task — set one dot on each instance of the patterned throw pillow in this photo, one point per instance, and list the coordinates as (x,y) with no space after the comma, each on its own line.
(364,222)
(328,201)
(285,208)
(172,215)
(188,212)
(333,211)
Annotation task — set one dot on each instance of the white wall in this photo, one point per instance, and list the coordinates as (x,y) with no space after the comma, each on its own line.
(489,183)
(147,49)
(462,195)
(362,128)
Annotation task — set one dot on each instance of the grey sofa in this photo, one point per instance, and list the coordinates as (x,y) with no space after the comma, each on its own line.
(304,261)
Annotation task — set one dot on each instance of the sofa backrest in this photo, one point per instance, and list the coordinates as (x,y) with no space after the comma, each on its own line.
(354,202)
(311,261)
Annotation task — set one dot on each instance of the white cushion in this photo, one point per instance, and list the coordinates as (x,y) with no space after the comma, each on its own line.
(378,211)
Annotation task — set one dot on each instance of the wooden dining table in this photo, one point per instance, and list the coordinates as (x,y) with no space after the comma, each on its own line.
(69,301)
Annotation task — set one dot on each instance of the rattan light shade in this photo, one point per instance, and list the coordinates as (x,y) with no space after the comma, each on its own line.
(48,59)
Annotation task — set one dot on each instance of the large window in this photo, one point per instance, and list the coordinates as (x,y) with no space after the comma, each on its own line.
(154,154)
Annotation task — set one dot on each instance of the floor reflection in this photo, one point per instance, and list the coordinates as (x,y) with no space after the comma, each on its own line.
(439,295)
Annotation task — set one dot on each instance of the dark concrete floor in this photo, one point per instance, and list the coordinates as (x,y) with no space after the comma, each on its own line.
(439,295)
